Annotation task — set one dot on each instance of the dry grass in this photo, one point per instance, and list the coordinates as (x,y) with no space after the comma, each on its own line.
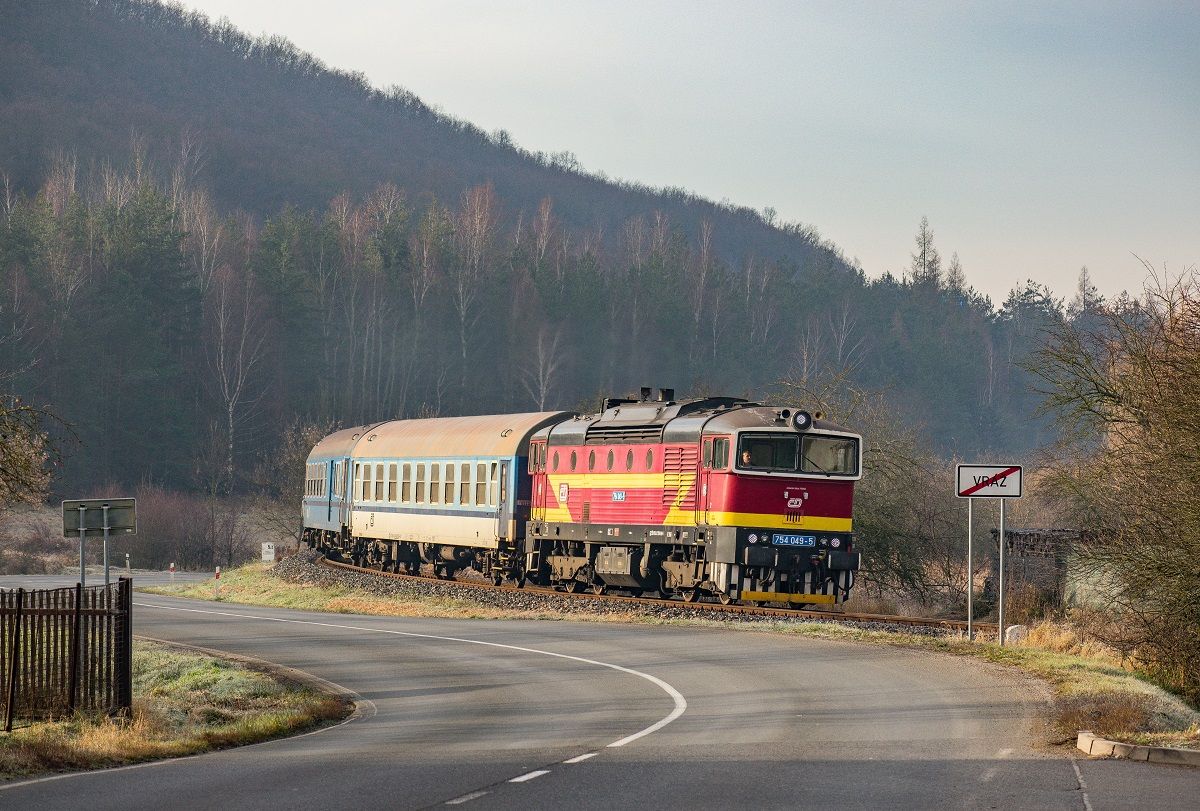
(184,703)
(253,585)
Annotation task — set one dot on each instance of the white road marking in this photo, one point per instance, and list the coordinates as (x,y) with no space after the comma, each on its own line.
(1087,804)
(581,758)
(529,776)
(466,798)
(1003,753)
(677,697)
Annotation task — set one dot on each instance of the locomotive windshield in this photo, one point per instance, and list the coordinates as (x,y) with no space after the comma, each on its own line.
(790,453)
(829,454)
(769,452)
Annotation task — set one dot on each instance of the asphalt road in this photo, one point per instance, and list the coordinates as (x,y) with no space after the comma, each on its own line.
(491,714)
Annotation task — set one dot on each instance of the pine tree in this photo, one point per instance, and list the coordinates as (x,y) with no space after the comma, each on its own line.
(926,262)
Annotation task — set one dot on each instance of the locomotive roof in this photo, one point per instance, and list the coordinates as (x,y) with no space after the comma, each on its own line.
(670,421)
(486,435)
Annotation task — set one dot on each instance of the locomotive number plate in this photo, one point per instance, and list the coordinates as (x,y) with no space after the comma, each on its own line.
(780,539)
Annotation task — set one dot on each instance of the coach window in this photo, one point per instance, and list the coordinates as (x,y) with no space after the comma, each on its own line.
(448,496)
(649,458)
(364,492)
(480,484)
(464,483)
(435,483)
(392,482)
(629,459)
(492,490)
(379,482)
(420,484)
(720,453)
(406,483)
(554,464)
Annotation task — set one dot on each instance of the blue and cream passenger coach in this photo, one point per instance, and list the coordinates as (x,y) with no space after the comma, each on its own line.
(444,491)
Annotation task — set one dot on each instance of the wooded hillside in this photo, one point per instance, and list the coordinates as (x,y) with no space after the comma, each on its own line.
(281,243)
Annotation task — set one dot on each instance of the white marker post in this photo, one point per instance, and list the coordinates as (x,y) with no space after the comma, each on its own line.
(217,585)
(986,481)
(172,572)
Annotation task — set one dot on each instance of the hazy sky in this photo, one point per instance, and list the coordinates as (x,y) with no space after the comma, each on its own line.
(1037,137)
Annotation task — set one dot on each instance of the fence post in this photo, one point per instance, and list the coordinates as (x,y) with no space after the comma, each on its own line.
(124,646)
(15,652)
(76,643)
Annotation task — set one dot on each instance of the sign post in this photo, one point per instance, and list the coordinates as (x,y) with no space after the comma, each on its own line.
(986,481)
(98,517)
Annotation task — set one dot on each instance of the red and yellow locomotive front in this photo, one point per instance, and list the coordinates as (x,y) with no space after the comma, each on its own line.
(715,497)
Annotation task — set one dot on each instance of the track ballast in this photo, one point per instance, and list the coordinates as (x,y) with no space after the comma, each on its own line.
(615,603)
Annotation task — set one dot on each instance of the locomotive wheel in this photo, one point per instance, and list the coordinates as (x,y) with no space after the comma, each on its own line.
(572,587)
(497,579)
(725,599)
(691,595)
(599,588)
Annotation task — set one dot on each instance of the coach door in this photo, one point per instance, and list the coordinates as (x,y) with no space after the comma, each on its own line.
(504,513)
(537,469)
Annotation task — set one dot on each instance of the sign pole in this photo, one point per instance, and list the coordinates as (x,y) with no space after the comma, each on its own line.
(1000,620)
(106,528)
(82,533)
(970,575)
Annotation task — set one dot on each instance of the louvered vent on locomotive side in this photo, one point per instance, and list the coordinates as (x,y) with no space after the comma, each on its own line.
(679,478)
(623,435)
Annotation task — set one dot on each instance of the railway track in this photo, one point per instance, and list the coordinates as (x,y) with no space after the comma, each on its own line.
(706,608)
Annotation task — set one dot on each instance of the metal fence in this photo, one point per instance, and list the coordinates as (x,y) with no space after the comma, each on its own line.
(66,650)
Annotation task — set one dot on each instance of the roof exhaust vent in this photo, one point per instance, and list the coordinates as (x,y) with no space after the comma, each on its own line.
(645,393)
(666,395)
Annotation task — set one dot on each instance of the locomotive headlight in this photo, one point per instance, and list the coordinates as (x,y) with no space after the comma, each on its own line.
(835,542)
(802,420)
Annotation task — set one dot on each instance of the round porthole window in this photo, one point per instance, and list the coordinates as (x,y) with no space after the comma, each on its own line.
(591,460)
(574,460)
(629,460)
(649,459)
(611,458)
(555,461)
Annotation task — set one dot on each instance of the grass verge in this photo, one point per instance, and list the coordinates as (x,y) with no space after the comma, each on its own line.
(184,703)
(1093,687)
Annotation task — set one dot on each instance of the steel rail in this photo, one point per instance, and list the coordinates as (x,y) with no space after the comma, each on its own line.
(784,613)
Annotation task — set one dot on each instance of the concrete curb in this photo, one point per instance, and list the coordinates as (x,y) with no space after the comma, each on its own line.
(1100,747)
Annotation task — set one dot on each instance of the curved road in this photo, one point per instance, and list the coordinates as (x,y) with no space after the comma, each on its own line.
(520,714)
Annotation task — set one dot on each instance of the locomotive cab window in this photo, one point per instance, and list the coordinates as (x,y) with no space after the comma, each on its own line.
(720,457)
(770,452)
(834,455)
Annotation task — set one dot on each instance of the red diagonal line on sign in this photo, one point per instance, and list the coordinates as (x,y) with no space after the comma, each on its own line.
(990,481)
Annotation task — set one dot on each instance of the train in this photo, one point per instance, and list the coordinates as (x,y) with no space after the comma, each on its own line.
(714,499)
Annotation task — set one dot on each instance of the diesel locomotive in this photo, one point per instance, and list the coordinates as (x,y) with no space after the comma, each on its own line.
(716,498)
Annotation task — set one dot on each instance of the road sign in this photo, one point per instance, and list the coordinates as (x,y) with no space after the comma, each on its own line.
(989,481)
(268,552)
(90,516)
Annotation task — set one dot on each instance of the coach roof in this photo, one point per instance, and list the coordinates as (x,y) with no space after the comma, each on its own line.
(487,435)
